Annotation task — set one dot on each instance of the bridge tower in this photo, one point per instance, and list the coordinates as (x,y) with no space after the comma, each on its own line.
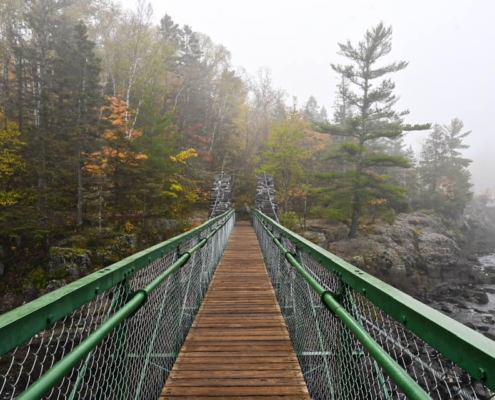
(266,201)
(221,194)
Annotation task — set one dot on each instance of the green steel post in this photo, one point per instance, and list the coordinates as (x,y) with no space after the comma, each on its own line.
(152,341)
(189,279)
(319,333)
(176,327)
(346,350)
(355,313)
(410,388)
(82,371)
(60,369)
(321,343)
(121,348)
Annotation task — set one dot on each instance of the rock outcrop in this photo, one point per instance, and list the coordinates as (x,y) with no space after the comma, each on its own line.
(415,253)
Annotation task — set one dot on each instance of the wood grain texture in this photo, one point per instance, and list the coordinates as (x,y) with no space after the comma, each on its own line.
(238,346)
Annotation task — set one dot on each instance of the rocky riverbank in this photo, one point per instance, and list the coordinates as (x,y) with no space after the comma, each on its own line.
(442,263)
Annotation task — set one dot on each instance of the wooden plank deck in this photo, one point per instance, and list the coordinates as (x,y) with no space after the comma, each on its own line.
(238,346)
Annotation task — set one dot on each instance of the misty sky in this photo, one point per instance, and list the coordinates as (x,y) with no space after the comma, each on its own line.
(448,45)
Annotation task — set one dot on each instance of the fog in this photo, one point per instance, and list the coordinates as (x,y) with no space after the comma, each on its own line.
(447,44)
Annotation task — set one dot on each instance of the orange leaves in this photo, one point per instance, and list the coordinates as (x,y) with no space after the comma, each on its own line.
(376,176)
(119,115)
(117,137)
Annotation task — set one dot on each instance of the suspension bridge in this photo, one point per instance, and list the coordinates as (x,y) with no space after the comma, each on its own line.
(238,310)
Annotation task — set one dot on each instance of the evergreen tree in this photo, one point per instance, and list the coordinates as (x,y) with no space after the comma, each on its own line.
(374,118)
(342,107)
(311,110)
(79,101)
(445,179)
(323,115)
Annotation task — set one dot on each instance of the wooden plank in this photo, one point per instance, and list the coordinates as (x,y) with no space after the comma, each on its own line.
(235,391)
(238,346)
(270,373)
(258,397)
(240,381)
(287,366)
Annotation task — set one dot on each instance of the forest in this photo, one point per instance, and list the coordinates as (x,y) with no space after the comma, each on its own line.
(108,120)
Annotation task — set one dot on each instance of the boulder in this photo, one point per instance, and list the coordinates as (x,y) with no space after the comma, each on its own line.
(9,301)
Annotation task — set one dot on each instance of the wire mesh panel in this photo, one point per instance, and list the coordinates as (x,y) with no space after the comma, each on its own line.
(134,360)
(334,362)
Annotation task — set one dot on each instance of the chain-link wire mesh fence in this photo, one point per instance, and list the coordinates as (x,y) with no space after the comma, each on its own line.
(134,360)
(335,364)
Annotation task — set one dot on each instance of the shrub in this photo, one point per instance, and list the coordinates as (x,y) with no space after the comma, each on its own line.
(38,278)
(289,219)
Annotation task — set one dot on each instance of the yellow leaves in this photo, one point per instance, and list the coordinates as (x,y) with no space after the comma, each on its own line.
(170,194)
(9,198)
(378,202)
(176,187)
(184,191)
(10,146)
(128,227)
(11,162)
(182,156)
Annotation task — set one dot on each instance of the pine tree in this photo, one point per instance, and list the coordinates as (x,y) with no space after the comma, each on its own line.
(373,118)
(342,107)
(445,179)
(311,109)
(77,109)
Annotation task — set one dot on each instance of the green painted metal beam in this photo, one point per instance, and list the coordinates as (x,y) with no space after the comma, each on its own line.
(467,348)
(22,323)
(137,300)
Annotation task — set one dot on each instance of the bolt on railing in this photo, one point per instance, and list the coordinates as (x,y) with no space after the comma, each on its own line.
(116,333)
(359,338)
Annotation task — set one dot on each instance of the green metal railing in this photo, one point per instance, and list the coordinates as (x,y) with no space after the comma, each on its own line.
(359,338)
(116,333)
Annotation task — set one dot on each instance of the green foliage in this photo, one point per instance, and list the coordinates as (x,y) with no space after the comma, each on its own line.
(365,118)
(58,274)
(38,277)
(285,155)
(443,171)
(11,161)
(339,214)
(289,219)
(389,216)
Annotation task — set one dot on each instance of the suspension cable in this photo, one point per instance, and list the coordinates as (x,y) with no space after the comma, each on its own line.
(275,216)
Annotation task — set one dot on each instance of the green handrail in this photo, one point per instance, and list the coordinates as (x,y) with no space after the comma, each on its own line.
(137,299)
(468,349)
(22,323)
(410,387)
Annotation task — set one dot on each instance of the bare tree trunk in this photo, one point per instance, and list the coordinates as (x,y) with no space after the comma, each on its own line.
(356,213)
(80,199)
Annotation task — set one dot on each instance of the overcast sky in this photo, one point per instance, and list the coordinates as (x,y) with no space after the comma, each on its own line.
(448,44)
